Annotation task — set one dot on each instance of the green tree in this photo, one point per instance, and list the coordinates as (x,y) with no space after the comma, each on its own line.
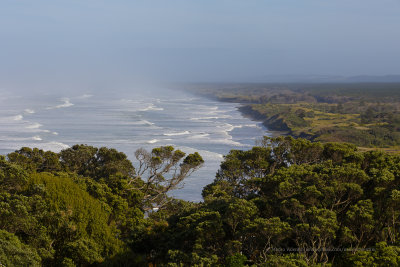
(14,253)
(35,159)
(160,171)
(12,177)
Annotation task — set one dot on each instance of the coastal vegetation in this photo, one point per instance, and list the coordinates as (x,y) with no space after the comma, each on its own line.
(83,205)
(285,202)
(367,115)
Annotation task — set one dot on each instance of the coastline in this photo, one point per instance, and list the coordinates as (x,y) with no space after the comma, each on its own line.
(244,107)
(274,130)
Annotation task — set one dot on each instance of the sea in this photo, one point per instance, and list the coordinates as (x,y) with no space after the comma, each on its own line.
(127,121)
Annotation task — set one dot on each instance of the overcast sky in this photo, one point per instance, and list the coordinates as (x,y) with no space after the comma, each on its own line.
(103,41)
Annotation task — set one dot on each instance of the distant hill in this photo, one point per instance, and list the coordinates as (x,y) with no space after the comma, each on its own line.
(327,79)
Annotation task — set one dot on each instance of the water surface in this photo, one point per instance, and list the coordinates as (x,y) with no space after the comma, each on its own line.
(127,122)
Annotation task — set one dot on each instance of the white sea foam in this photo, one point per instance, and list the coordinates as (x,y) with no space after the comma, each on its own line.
(16,143)
(151,107)
(211,117)
(199,136)
(152,141)
(34,126)
(203,139)
(52,146)
(18,117)
(180,100)
(177,133)
(66,104)
(136,101)
(205,118)
(201,120)
(227,127)
(247,125)
(147,122)
(140,122)
(230,142)
(206,154)
(84,96)
(37,138)
(16,139)
(200,107)
(29,111)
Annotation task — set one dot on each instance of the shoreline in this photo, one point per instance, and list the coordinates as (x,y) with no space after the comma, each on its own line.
(246,111)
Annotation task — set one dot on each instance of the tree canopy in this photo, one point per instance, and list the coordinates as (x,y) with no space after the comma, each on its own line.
(285,202)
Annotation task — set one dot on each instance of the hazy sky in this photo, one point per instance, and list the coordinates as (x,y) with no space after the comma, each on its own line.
(204,40)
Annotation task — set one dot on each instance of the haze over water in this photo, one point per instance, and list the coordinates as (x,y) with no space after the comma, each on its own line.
(128,121)
(108,44)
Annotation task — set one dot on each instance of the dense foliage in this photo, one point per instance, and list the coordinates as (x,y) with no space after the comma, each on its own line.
(290,202)
(84,205)
(285,202)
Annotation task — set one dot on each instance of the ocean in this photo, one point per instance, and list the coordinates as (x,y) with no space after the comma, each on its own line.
(128,121)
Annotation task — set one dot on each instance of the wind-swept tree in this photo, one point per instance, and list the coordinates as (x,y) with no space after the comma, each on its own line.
(160,171)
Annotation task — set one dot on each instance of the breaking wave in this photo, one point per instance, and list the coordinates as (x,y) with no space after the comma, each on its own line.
(66,104)
(177,133)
